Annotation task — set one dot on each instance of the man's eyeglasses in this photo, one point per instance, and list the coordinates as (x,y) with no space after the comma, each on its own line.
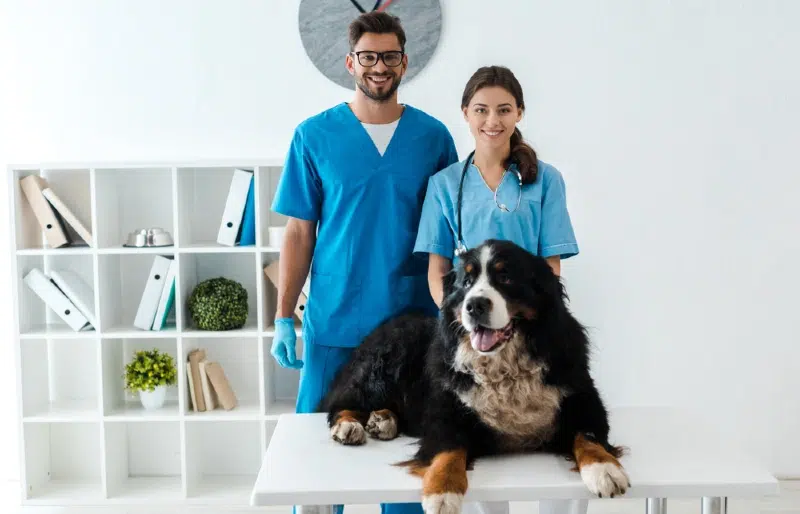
(369,58)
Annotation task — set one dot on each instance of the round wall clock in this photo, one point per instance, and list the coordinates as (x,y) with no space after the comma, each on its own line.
(323,29)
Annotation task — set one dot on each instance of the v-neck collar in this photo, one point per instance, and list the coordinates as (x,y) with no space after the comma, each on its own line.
(366,140)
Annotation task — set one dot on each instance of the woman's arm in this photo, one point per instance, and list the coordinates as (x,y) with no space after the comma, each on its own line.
(555,263)
(438,266)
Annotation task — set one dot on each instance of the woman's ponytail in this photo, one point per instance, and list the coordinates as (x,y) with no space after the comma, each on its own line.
(524,156)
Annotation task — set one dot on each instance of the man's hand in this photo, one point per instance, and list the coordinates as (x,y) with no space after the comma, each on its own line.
(284,344)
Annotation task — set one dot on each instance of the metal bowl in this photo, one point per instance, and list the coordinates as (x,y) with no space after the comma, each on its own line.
(149,237)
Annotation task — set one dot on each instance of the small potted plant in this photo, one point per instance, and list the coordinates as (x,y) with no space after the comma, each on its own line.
(149,373)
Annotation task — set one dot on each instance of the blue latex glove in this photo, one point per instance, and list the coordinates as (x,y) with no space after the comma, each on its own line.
(284,343)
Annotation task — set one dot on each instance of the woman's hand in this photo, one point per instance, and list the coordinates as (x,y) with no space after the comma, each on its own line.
(438,266)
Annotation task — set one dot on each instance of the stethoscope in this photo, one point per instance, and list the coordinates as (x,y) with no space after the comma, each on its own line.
(461,247)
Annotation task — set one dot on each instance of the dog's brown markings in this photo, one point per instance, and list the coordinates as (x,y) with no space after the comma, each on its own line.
(524,311)
(446,474)
(587,453)
(350,415)
(468,267)
(510,395)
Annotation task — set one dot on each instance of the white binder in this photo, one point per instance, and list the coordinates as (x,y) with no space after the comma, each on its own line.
(167,298)
(148,304)
(234,207)
(68,215)
(77,291)
(55,299)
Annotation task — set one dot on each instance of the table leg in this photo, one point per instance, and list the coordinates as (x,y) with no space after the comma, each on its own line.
(714,505)
(656,506)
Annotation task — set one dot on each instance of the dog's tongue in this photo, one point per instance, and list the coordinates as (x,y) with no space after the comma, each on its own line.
(483,339)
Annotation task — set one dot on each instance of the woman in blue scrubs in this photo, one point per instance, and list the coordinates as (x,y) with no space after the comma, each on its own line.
(507,193)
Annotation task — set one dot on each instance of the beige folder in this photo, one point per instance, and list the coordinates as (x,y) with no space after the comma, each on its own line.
(51,223)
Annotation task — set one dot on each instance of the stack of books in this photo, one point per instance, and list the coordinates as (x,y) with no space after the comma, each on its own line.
(238,224)
(156,303)
(67,294)
(52,213)
(207,384)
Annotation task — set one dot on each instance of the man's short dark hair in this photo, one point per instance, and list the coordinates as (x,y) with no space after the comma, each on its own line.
(379,23)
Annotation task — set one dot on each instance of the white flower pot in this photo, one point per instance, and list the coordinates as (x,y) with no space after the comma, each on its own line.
(153,399)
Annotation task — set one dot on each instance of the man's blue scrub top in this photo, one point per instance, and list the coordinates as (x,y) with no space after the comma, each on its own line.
(368,209)
(541,224)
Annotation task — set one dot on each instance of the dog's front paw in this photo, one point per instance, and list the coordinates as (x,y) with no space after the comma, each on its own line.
(444,503)
(382,424)
(605,479)
(349,432)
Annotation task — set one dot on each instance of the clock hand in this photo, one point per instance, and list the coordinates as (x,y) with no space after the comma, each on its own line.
(377,7)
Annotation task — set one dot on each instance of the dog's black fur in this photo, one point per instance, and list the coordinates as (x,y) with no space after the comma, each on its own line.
(407,365)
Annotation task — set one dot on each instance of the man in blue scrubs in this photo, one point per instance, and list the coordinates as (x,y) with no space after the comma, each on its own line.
(353,186)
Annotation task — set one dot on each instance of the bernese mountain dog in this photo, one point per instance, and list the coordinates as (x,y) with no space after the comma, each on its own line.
(504,368)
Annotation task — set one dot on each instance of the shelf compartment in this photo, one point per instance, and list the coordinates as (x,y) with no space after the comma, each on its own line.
(120,404)
(122,279)
(197,267)
(36,318)
(222,460)
(280,384)
(143,461)
(202,194)
(269,295)
(73,187)
(130,199)
(268,179)
(59,379)
(63,462)
(239,358)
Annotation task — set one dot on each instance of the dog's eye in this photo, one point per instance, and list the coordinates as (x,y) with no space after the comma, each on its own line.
(504,278)
(467,281)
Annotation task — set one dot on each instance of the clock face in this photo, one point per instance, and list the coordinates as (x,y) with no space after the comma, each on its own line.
(324,23)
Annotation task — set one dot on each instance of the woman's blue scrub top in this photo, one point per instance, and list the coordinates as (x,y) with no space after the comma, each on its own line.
(367,208)
(541,224)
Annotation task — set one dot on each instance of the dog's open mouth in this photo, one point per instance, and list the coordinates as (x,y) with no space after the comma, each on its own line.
(484,339)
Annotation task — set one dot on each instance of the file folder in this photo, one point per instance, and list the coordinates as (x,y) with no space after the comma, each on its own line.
(52,224)
(231,222)
(167,297)
(64,211)
(77,291)
(148,304)
(56,300)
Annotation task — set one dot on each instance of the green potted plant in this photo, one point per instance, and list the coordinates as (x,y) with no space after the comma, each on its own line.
(149,373)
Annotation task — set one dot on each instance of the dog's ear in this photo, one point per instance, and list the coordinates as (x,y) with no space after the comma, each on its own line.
(449,282)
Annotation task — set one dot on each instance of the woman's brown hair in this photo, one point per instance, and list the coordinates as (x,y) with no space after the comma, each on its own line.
(522,154)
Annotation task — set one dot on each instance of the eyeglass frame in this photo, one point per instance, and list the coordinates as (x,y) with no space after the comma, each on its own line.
(381,56)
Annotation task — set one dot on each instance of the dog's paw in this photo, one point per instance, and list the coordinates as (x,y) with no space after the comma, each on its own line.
(605,479)
(382,424)
(444,503)
(348,432)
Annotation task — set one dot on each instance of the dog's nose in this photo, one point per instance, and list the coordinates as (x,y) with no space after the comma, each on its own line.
(478,306)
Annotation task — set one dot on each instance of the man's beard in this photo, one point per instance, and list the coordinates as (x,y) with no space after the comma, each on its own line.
(363,85)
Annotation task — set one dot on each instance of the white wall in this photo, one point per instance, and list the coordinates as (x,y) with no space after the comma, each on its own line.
(672,121)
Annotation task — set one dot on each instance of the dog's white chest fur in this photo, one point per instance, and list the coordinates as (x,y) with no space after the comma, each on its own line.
(509,395)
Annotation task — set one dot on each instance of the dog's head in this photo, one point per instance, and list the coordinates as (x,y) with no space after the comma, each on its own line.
(495,287)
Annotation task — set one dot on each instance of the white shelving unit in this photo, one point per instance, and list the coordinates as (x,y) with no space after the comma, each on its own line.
(85,440)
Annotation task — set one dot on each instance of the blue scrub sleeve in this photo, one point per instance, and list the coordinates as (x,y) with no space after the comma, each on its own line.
(299,191)
(434,234)
(449,155)
(557,236)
